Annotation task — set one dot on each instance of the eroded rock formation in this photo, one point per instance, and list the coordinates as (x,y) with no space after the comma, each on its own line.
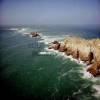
(34,34)
(62,48)
(94,69)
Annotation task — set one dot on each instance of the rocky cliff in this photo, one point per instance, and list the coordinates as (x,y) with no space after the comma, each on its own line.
(87,51)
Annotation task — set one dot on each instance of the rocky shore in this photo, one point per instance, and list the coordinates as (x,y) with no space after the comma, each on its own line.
(81,49)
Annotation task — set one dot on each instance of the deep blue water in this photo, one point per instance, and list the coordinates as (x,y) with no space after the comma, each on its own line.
(29,71)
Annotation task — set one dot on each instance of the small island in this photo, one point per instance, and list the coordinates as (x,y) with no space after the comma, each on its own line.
(81,49)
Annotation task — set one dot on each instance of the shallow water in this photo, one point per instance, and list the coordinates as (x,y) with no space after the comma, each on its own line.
(30,71)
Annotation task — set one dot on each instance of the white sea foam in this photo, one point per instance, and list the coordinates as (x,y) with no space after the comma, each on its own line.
(22,30)
(49,39)
(43,53)
(96,79)
(86,75)
(97,88)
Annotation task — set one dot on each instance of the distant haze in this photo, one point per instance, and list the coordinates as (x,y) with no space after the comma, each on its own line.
(67,12)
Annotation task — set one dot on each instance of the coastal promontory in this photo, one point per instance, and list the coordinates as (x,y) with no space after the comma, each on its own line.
(86,50)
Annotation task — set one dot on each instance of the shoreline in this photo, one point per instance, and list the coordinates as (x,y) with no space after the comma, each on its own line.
(82,50)
(62,54)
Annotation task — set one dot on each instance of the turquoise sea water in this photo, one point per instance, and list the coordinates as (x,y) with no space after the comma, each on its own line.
(29,71)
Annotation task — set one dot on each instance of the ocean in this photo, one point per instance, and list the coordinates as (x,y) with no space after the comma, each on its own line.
(29,70)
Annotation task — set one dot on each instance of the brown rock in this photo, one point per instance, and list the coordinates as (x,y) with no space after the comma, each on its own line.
(90,57)
(76,54)
(55,42)
(83,57)
(54,45)
(62,48)
(69,51)
(94,69)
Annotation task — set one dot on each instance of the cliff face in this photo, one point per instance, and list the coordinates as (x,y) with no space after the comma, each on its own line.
(85,50)
(94,69)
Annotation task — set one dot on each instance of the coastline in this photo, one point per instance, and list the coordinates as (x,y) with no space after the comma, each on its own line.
(82,50)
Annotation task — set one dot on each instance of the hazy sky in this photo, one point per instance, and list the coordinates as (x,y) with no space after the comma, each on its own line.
(70,12)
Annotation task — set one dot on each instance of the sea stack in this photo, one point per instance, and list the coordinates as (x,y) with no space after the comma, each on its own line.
(34,34)
(87,51)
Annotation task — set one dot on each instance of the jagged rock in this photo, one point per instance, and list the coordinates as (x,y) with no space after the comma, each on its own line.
(34,34)
(94,69)
(54,45)
(76,54)
(62,48)
(90,57)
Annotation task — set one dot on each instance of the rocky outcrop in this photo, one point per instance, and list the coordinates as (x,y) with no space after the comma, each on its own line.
(34,34)
(94,69)
(54,45)
(83,57)
(69,51)
(90,58)
(85,50)
(76,54)
(62,48)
